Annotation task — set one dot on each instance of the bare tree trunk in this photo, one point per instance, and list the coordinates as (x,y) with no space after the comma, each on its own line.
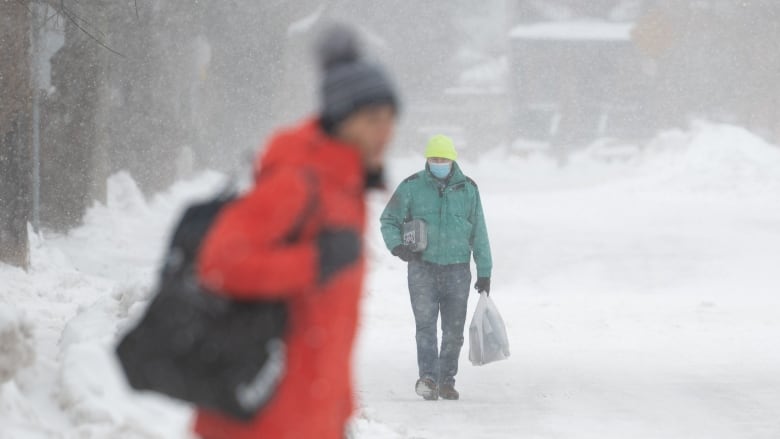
(15,138)
(73,174)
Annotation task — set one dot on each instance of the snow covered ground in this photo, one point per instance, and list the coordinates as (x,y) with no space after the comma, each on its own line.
(641,299)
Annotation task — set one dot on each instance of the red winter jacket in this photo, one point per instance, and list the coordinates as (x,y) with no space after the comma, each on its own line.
(305,178)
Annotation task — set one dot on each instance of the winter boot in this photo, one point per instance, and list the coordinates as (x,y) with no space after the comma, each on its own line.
(447,391)
(426,387)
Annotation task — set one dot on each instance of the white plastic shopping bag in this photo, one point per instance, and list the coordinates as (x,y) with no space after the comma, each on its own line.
(488,341)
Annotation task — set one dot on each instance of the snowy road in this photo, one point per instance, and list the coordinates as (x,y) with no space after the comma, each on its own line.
(656,333)
(641,300)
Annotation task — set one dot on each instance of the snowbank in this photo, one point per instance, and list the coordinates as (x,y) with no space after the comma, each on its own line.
(574,30)
(713,158)
(81,291)
(92,390)
(707,160)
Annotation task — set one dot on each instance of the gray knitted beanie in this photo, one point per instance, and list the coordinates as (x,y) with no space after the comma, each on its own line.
(349,82)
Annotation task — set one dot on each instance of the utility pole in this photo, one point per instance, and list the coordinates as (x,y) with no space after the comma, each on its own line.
(36,30)
(15,132)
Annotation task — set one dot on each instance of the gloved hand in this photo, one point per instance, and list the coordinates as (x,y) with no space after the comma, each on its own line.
(337,249)
(483,284)
(404,253)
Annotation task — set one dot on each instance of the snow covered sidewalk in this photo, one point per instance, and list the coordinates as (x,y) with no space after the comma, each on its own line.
(641,300)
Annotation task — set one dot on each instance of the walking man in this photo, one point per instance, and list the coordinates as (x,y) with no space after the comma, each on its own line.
(439,275)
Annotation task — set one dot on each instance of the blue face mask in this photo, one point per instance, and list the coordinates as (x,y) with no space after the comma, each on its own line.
(440,170)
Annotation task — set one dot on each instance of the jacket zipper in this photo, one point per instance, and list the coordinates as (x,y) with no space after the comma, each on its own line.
(441,215)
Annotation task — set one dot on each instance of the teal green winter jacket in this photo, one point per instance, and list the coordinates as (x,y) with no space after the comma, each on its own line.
(452,210)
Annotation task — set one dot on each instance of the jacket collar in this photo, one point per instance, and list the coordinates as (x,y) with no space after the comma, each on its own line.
(308,146)
(455,177)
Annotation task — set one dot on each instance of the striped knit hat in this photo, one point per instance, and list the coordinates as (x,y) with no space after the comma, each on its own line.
(349,82)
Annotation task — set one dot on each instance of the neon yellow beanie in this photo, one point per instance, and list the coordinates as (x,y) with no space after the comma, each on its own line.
(441,146)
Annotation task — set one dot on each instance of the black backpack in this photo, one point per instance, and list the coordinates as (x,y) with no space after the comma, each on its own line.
(203,348)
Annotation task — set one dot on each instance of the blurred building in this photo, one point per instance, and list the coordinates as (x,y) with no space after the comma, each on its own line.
(469,98)
(628,68)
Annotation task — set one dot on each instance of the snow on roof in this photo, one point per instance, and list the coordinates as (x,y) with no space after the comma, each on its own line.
(491,73)
(306,23)
(573,30)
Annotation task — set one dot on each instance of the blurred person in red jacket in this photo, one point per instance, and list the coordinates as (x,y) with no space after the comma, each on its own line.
(311,181)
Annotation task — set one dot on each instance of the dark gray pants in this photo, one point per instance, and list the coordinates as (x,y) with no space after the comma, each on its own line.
(438,289)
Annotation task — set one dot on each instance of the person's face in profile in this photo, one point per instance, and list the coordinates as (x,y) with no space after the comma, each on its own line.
(370,131)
